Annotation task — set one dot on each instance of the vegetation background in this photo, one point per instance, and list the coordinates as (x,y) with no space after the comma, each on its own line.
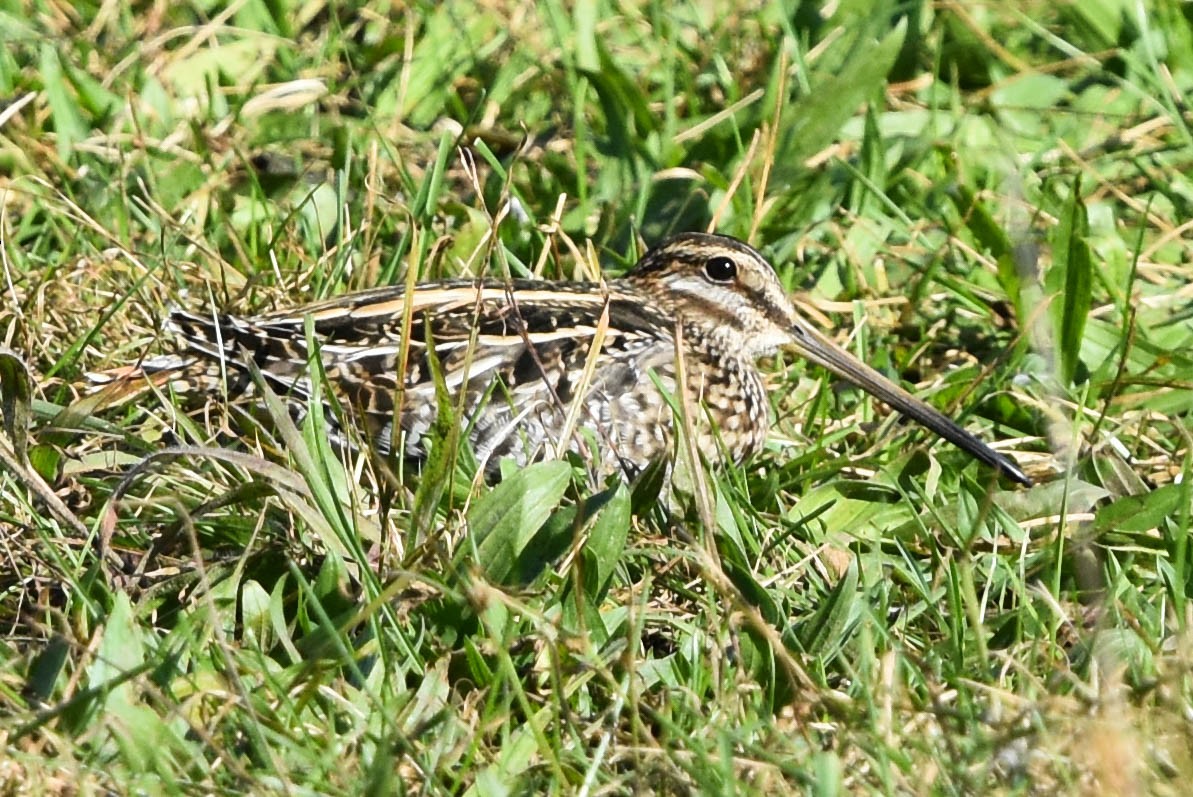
(990,201)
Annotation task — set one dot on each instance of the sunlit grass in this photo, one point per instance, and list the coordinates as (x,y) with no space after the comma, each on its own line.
(987,202)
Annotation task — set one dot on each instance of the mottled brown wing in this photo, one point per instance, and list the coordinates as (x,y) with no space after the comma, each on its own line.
(517,362)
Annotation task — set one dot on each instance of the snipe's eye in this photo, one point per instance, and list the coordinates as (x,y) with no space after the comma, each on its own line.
(720,269)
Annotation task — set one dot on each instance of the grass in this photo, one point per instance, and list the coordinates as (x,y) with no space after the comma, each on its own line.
(989,201)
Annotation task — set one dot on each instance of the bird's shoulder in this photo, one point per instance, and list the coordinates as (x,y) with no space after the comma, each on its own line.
(533,311)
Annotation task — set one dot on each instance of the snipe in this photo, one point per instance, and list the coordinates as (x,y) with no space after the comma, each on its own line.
(520,356)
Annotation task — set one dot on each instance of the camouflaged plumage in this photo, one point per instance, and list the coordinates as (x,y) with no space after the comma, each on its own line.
(519,358)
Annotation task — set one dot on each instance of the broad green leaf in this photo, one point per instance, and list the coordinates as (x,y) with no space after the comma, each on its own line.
(47,666)
(518,752)
(813,122)
(622,99)
(1137,513)
(15,398)
(245,58)
(119,658)
(586,47)
(1031,92)
(872,164)
(255,613)
(856,510)
(1105,18)
(449,43)
(280,626)
(93,97)
(753,592)
(479,669)
(427,201)
(432,695)
(550,544)
(822,634)
(827,774)
(1122,647)
(994,239)
(69,126)
(506,519)
(1072,272)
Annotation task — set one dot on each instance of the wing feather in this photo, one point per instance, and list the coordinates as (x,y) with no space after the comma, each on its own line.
(533,347)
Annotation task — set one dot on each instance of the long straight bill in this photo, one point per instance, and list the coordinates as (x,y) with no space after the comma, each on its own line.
(823,352)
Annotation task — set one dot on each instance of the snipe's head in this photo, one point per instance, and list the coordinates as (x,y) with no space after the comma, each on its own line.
(721,288)
(724,289)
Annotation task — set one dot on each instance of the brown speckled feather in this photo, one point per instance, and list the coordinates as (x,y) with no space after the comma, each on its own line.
(515,355)
(517,350)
